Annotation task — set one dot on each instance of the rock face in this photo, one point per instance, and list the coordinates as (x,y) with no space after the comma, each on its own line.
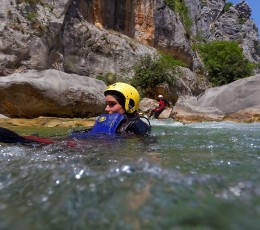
(231,98)
(50,93)
(236,25)
(91,38)
(96,37)
(237,101)
(99,50)
(56,35)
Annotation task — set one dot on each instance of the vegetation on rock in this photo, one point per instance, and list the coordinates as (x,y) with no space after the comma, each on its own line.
(150,72)
(227,6)
(180,7)
(224,62)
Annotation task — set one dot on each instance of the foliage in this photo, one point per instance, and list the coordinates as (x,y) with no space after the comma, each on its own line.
(31,16)
(227,6)
(30,2)
(257,47)
(199,37)
(224,61)
(149,72)
(180,7)
(108,78)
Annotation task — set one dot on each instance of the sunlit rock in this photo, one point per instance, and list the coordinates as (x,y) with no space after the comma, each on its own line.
(50,93)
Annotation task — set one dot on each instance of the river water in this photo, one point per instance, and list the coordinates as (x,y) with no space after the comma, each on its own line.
(193,176)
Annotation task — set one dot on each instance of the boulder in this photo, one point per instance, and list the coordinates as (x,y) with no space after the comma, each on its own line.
(237,101)
(50,93)
(231,98)
(251,114)
(166,113)
(147,104)
(3,116)
(187,110)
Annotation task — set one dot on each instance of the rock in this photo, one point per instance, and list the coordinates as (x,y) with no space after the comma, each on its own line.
(189,83)
(180,114)
(48,122)
(93,52)
(3,116)
(251,114)
(96,37)
(231,98)
(237,101)
(187,110)
(50,93)
(165,114)
(236,25)
(147,104)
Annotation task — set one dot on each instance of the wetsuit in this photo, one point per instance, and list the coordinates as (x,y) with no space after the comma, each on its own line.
(135,125)
(8,136)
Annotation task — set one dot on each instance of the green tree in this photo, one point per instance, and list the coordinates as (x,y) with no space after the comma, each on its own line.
(149,72)
(224,61)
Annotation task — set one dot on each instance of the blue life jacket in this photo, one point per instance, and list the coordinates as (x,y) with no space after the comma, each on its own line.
(105,124)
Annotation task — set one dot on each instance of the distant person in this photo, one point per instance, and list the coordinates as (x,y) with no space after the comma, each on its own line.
(163,103)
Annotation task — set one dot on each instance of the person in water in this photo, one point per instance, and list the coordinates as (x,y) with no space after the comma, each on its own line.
(163,103)
(124,99)
(122,102)
(122,117)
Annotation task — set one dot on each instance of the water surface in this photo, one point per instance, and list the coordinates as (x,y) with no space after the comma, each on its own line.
(195,176)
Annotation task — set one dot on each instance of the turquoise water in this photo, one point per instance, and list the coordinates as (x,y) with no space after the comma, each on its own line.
(196,176)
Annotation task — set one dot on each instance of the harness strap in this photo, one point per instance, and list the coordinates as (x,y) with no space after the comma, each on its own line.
(129,123)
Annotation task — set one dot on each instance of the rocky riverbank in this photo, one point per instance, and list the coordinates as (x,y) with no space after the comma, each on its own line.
(175,113)
(46,122)
(38,96)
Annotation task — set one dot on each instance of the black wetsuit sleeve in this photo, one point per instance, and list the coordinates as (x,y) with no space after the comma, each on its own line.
(8,136)
(139,127)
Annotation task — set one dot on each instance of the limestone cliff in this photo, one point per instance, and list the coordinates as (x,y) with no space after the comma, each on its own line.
(93,37)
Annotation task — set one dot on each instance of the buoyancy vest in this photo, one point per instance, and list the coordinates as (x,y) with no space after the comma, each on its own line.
(105,124)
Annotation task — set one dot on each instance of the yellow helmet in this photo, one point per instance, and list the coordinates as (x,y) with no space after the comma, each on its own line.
(130,94)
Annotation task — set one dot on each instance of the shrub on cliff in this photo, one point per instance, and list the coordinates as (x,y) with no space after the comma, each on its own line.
(150,72)
(224,61)
(227,6)
(180,7)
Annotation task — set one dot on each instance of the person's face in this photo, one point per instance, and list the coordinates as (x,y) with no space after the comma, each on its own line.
(112,105)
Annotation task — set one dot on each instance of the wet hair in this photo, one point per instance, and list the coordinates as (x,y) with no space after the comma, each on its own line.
(118,96)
